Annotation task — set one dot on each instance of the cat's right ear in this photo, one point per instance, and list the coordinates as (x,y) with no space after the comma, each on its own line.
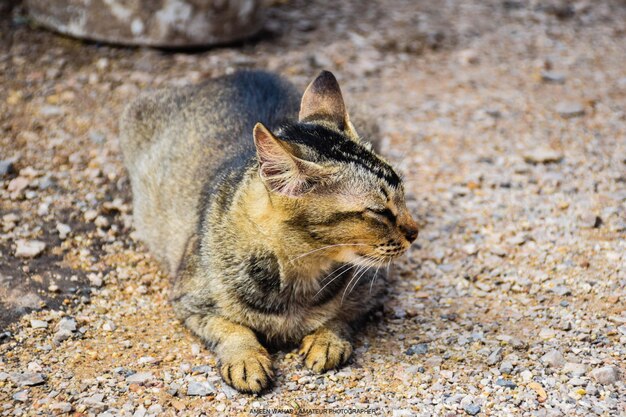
(281,171)
(322,100)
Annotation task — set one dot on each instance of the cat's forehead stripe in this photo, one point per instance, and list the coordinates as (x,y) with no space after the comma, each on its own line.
(333,145)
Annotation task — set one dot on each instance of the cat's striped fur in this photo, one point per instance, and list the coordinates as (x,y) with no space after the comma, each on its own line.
(272,215)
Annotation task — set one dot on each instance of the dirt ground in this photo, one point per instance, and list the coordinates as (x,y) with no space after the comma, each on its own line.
(507,119)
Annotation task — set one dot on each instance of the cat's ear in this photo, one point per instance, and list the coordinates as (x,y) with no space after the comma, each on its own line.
(280,170)
(322,99)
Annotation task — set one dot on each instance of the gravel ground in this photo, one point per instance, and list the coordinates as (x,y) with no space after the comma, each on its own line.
(508,121)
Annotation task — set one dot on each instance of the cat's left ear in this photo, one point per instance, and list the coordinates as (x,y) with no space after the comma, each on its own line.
(322,100)
(280,170)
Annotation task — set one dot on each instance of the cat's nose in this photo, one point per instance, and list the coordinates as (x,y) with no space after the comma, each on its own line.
(410,231)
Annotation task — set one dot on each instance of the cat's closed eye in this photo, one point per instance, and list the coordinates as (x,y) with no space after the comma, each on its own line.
(385,214)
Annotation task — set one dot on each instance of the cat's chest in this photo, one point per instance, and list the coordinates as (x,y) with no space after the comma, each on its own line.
(267,290)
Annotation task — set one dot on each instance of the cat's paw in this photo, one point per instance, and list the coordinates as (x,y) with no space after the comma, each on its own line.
(248,370)
(324,350)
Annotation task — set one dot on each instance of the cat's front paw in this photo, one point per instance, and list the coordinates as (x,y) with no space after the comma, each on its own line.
(247,370)
(324,350)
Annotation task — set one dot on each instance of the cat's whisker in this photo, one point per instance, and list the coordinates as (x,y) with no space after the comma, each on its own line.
(350,266)
(361,267)
(357,276)
(325,247)
(375,262)
(345,265)
(374,278)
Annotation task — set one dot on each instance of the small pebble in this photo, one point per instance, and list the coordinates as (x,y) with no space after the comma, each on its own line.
(28,379)
(21,396)
(29,248)
(505,383)
(553,358)
(552,77)
(495,356)
(418,349)
(109,326)
(38,324)
(543,156)
(200,389)
(568,109)
(6,168)
(64,230)
(67,323)
(61,407)
(472,409)
(606,375)
(140,378)
(576,369)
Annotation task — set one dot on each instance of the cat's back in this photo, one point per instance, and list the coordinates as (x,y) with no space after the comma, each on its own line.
(230,104)
(175,140)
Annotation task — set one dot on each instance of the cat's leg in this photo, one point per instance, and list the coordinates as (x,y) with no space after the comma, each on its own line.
(243,361)
(328,347)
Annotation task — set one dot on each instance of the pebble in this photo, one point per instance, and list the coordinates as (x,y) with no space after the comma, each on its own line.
(21,396)
(29,248)
(61,336)
(95,280)
(468,57)
(18,184)
(140,378)
(418,349)
(109,326)
(506,367)
(569,109)
(561,290)
(606,375)
(229,391)
(200,389)
(552,77)
(526,375)
(28,379)
(553,359)
(590,221)
(543,156)
(471,409)
(96,136)
(101,222)
(67,324)
(542,395)
(146,360)
(51,111)
(38,324)
(505,383)
(90,215)
(63,230)
(576,369)
(6,167)
(61,407)
(547,333)
(140,411)
(470,249)
(94,400)
(495,356)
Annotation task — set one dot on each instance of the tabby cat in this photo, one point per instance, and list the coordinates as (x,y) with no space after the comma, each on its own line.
(271,213)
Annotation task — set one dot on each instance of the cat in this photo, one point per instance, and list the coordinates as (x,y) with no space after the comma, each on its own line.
(271,213)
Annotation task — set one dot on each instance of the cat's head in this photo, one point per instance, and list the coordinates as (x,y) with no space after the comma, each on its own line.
(328,185)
